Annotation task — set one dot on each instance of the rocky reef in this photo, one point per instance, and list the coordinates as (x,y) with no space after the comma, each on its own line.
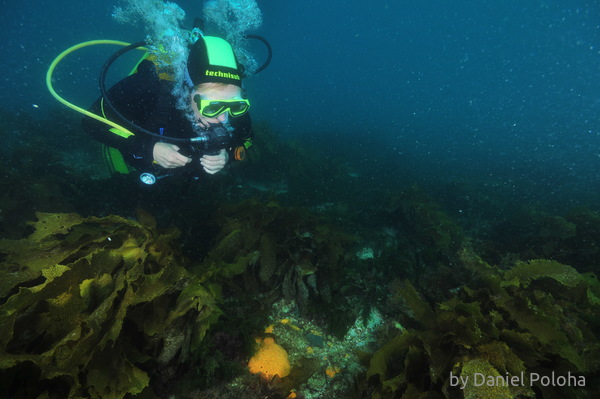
(289,277)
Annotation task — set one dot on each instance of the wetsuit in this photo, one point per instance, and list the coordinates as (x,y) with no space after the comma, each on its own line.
(147,101)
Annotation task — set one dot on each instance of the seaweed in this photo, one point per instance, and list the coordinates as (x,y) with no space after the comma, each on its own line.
(425,244)
(528,233)
(93,307)
(533,319)
(275,252)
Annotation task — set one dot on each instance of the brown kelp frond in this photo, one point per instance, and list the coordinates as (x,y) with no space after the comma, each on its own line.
(91,307)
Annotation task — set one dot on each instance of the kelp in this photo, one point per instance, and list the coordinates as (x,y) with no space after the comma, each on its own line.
(417,212)
(539,317)
(584,247)
(93,307)
(528,233)
(276,253)
(426,243)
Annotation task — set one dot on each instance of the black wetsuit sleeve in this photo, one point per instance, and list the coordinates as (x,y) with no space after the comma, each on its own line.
(135,97)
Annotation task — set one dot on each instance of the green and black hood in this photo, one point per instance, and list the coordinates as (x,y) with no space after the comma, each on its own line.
(212,60)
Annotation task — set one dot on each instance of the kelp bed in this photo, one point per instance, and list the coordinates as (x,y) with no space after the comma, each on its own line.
(540,318)
(104,307)
(86,301)
(116,307)
(101,307)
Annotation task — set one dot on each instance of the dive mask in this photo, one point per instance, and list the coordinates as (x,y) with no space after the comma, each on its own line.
(214,108)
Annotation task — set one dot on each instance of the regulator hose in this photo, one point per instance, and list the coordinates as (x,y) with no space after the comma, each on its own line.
(269,51)
(109,103)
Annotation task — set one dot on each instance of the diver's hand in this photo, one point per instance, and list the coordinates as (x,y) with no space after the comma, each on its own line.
(168,156)
(214,163)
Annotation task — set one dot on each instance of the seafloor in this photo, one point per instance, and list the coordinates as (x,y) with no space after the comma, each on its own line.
(377,280)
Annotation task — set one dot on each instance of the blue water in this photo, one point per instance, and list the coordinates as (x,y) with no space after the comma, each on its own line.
(464,89)
(488,106)
(484,89)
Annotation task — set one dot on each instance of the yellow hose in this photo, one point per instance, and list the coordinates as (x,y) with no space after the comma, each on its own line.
(59,58)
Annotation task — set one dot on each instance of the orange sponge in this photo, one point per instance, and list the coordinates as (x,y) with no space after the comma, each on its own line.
(270,360)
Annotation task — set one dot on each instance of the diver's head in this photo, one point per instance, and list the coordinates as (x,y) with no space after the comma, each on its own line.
(216,80)
(212,60)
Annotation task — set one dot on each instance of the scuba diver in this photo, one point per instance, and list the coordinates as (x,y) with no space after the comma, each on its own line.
(200,132)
